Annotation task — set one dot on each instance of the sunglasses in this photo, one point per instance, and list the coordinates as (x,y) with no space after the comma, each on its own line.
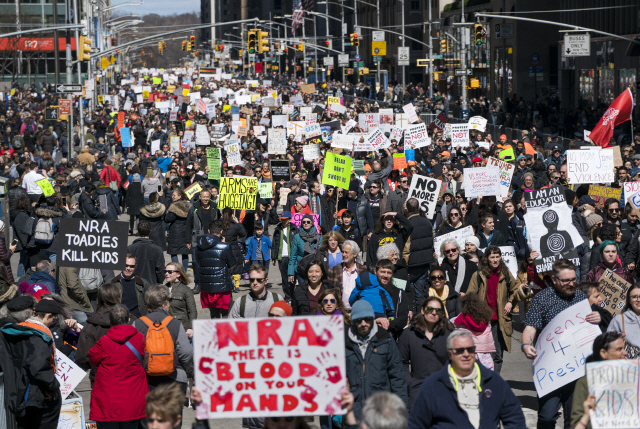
(170,271)
(439,311)
(251,280)
(286,419)
(454,214)
(437,277)
(369,320)
(450,251)
(306,222)
(403,181)
(614,210)
(461,350)
(130,266)
(327,301)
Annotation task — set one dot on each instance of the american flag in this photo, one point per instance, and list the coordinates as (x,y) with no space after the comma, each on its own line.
(299,6)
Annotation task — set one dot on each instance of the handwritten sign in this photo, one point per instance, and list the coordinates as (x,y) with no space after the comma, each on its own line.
(277,141)
(459,135)
(290,366)
(280,170)
(308,88)
(69,374)
(238,193)
(311,151)
(193,190)
(590,166)
(613,289)
(213,162)
(460,235)
(481,181)
(284,193)
(418,136)
(563,347)
(265,190)
(342,141)
(233,154)
(477,123)
(46,187)
(630,188)
(337,170)
(425,190)
(243,131)
(399,161)
(615,385)
(86,243)
(377,140)
(366,119)
(506,172)
(410,110)
(312,130)
(603,193)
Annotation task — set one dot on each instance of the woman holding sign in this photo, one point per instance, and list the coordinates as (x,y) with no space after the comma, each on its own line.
(629,322)
(610,261)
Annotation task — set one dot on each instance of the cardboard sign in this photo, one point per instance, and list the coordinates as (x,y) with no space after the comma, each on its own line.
(399,161)
(284,193)
(459,135)
(477,123)
(615,384)
(213,162)
(418,135)
(280,170)
(90,243)
(590,166)
(69,374)
(377,140)
(265,190)
(603,193)
(193,190)
(426,191)
(296,219)
(630,188)
(277,141)
(613,289)
(308,88)
(311,151)
(312,130)
(483,181)
(563,347)
(243,131)
(459,235)
(233,155)
(46,187)
(506,173)
(238,193)
(342,141)
(290,366)
(617,156)
(439,122)
(337,171)
(410,110)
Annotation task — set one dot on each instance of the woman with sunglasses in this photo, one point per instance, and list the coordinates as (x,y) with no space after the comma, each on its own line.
(457,269)
(454,221)
(183,305)
(305,242)
(445,292)
(497,287)
(305,295)
(392,228)
(330,302)
(423,346)
(377,199)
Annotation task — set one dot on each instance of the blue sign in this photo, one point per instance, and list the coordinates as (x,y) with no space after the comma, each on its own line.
(357,58)
(464,114)
(125,136)
(534,59)
(376,51)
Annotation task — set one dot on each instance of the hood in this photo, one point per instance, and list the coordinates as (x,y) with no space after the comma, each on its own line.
(122,333)
(47,132)
(100,318)
(366,280)
(46,212)
(85,150)
(180,208)
(153,210)
(41,276)
(104,190)
(153,180)
(208,241)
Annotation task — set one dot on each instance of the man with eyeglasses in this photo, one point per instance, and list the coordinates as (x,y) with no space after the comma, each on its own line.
(373,361)
(465,394)
(543,308)
(257,170)
(132,287)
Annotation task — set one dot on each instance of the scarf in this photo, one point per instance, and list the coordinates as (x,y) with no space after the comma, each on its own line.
(443,297)
(310,238)
(462,268)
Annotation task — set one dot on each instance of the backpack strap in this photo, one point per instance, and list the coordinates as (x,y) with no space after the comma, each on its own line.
(243,304)
(275,297)
(165,322)
(134,351)
(146,321)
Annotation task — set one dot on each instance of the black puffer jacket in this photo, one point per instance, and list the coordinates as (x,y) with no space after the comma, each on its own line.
(178,236)
(88,207)
(421,242)
(14,194)
(154,214)
(113,208)
(215,259)
(236,236)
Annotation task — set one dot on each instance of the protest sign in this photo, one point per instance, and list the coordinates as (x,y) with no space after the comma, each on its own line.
(602,193)
(334,100)
(396,133)
(613,290)
(280,170)
(459,135)
(277,141)
(314,140)
(311,151)
(243,131)
(617,156)
(590,166)
(238,193)
(349,126)
(312,130)
(615,385)
(358,167)
(410,110)
(459,235)
(477,123)
(377,140)
(425,190)
(338,108)
(563,347)
(365,119)
(337,170)
(202,135)
(419,136)
(399,161)
(290,366)
(174,142)
(287,108)
(233,155)
(69,374)
(439,122)
(284,193)
(265,190)
(87,243)
(193,190)
(46,187)
(308,88)
(506,172)
(310,120)
(483,181)
(213,162)
(630,188)
(550,230)
(125,136)
(296,219)
(342,141)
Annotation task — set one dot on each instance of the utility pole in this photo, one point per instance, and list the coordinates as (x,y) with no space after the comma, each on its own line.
(378,21)
(315,50)
(430,92)
(343,36)
(80,100)
(403,74)
(504,58)
(304,48)
(355,26)
(55,43)
(326,33)
(463,59)
(69,65)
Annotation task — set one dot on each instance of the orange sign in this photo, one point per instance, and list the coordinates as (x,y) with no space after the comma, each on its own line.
(64,107)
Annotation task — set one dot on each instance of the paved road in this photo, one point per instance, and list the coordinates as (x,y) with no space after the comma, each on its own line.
(516,368)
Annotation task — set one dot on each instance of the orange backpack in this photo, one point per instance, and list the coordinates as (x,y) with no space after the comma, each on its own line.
(159,349)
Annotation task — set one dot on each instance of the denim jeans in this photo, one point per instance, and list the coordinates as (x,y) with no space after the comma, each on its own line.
(549,405)
(185,261)
(23,264)
(418,282)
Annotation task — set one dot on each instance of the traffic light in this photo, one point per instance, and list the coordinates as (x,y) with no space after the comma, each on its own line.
(329,43)
(85,49)
(252,42)
(443,46)
(160,47)
(300,47)
(184,45)
(192,38)
(263,41)
(478,34)
(355,41)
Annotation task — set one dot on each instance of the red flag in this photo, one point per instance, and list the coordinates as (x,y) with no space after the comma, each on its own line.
(618,112)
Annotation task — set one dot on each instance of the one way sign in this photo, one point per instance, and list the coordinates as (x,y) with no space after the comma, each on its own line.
(69,88)
(577,45)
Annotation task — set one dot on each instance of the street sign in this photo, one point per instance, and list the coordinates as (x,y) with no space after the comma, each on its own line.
(464,72)
(403,55)
(377,36)
(577,45)
(327,61)
(504,31)
(51,113)
(379,48)
(64,107)
(357,57)
(68,88)
(533,70)
(534,59)
(377,59)
(343,60)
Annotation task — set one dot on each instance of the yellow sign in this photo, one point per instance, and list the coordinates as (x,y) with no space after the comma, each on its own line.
(333,100)
(112,59)
(145,94)
(378,48)
(239,193)
(185,92)
(192,190)
(104,62)
(46,187)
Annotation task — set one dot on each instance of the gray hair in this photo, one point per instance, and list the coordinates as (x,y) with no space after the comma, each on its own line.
(458,333)
(119,315)
(385,251)
(385,410)
(156,297)
(354,246)
(448,241)
(44,266)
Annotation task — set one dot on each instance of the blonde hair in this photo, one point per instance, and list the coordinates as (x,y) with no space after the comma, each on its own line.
(166,402)
(184,278)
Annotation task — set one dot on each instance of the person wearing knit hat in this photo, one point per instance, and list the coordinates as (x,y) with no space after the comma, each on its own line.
(20,303)
(592,221)
(477,162)
(472,248)
(280,309)
(301,205)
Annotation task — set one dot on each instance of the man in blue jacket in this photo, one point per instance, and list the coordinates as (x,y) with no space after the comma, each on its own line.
(465,394)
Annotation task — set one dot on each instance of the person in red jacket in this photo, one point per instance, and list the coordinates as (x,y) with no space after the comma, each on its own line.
(109,174)
(118,394)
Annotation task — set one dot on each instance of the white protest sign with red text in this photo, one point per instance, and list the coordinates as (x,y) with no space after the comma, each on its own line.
(289,366)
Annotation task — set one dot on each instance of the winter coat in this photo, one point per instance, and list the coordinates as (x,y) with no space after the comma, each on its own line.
(301,303)
(421,357)
(437,407)
(368,288)
(44,212)
(595,274)
(216,260)
(113,208)
(154,214)
(277,239)
(88,207)
(47,141)
(72,290)
(420,243)
(402,300)
(507,292)
(379,370)
(631,327)
(236,236)
(497,239)
(134,198)
(382,238)
(142,285)
(120,388)
(296,251)
(396,200)
(21,230)
(183,305)
(452,275)
(85,157)
(150,260)
(5,258)
(482,335)
(42,278)
(195,221)
(452,304)
(252,248)
(178,236)
(110,174)
(150,186)
(14,194)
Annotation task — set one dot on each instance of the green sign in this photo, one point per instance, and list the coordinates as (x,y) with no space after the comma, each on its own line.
(213,162)
(337,170)
(377,58)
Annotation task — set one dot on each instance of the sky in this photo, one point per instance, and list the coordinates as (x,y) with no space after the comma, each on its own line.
(161,7)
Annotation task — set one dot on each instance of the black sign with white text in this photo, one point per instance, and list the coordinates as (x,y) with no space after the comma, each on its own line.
(89,243)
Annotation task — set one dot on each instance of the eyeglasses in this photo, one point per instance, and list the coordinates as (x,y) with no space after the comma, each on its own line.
(635,298)
(251,280)
(439,311)
(403,181)
(454,214)
(374,187)
(286,419)
(130,266)
(369,320)
(568,281)
(461,350)
(170,271)
(327,301)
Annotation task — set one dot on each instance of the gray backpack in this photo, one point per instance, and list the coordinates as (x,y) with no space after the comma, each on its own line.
(91,278)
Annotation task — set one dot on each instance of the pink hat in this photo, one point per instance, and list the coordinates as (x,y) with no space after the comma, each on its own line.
(303,200)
